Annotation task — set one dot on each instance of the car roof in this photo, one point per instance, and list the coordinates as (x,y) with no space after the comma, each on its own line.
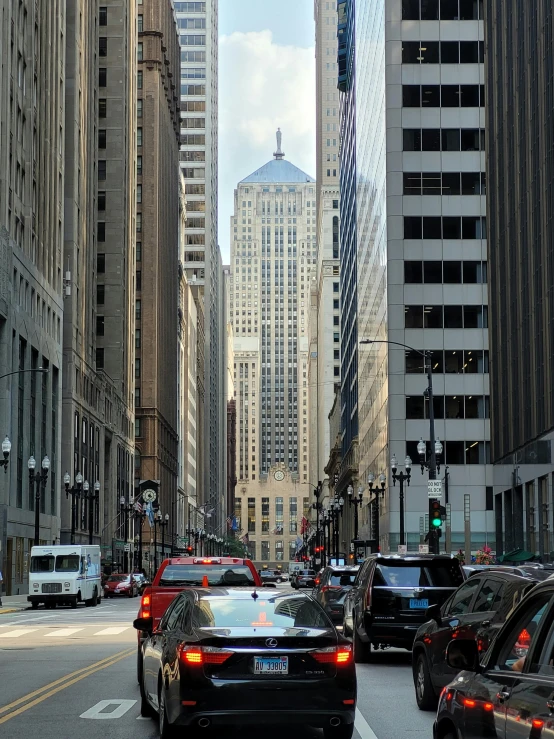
(245,593)
(344,568)
(504,575)
(414,556)
(206,560)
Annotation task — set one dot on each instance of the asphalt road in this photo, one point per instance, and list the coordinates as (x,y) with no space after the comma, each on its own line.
(68,673)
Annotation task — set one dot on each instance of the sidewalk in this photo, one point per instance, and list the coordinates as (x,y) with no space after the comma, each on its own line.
(14,603)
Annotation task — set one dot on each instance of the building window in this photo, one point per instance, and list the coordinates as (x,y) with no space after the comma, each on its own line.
(139,80)
(102,138)
(139,51)
(139,165)
(103,46)
(251,515)
(293,515)
(138,310)
(137,368)
(137,338)
(100,325)
(138,427)
(101,170)
(265,551)
(102,107)
(265,515)
(279,551)
(139,193)
(100,263)
(100,294)
(139,108)
(102,77)
(140,23)
(139,136)
(138,281)
(137,397)
(103,16)
(101,200)
(99,359)
(139,222)
(101,231)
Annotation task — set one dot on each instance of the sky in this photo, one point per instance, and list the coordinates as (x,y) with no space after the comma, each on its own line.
(266,81)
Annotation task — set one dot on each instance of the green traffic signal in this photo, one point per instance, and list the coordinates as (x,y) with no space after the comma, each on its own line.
(436,522)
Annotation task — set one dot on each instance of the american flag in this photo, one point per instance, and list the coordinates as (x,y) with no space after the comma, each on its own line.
(229,522)
(138,506)
(304,525)
(278,529)
(244,539)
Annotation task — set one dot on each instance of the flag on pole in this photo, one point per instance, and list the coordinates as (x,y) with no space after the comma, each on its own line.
(149,510)
(244,539)
(234,525)
(304,525)
(138,506)
(299,543)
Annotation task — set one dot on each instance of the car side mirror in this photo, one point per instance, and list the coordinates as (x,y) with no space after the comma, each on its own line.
(463,654)
(433,613)
(143,624)
(269,585)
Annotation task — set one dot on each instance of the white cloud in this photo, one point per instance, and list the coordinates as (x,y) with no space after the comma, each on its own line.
(262,86)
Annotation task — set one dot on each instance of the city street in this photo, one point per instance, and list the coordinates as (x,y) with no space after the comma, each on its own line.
(66,673)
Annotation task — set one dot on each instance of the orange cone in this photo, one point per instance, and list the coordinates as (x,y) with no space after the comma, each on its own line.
(205,583)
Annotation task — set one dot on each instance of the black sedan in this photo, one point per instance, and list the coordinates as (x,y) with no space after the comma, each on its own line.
(476,610)
(231,657)
(508,692)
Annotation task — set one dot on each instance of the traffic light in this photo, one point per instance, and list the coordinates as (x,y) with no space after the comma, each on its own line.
(189,550)
(435,513)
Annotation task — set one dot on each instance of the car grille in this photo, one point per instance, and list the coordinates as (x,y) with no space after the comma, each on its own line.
(52,587)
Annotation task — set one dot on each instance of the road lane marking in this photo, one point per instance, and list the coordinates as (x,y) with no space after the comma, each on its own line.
(362,727)
(78,675)
(120,708)
(64,632)
(112,630)
(16,633)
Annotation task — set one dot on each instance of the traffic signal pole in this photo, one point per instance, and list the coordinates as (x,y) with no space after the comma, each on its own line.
(433,531)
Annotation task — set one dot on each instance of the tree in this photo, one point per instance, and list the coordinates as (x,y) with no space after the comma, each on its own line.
(233,547)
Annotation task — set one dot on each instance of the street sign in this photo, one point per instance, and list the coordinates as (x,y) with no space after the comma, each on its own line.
(402,549)
(127,547)
(424,548)
(149,496)
(434,489)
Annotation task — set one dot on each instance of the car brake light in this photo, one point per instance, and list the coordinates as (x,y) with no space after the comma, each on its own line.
(488,706)
(204,655)
(469,703)
(524,639)
(333,655)
(537,723)
(205,561)
(325,588)
(145,601)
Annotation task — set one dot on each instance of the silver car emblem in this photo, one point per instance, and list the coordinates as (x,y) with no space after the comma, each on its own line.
(418,591)
(271,643)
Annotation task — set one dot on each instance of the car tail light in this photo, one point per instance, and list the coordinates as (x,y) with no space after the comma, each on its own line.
(537,723)
(469,703)
(488,706)
(145,607)
(192,655)
(325,588)
(333,655)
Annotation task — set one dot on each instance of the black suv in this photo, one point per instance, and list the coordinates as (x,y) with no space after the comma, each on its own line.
(476,610)
(391,595)
(331,585)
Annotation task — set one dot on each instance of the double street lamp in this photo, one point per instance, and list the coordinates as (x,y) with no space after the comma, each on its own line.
(355,501)
(401,477)
(335,513)
(163,522)
(6,449)
(92,497)
(375,508)
(38,480)
(75,492)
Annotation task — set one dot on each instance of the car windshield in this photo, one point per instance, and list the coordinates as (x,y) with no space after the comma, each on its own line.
(117,578)
(45,563)
(406,574)
(191,575)
(343,578)
(67,563)
(281,611)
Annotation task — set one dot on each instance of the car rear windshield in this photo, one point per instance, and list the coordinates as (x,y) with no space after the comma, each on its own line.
(193,575)
(308,572)
(418,574)
(42,564)
(262,612)
(343,578)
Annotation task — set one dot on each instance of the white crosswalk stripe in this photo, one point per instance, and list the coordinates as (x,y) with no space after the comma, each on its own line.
(112,631)
(64,632)
(16,633)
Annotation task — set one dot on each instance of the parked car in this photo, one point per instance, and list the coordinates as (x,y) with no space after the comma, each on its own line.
(141,581)
(477,611)
(506,692)
(534,570)
(331,585)
(390,598)
(121,585)
(303,579)
(225,657)
(271,576)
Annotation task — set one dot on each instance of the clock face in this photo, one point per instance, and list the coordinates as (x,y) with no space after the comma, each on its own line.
(279,475)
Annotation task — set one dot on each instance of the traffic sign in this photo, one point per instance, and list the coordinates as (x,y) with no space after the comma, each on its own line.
(424,548)
(127,547)
(434,489)
(402,549)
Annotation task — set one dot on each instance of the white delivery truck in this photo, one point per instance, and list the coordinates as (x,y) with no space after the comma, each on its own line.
(65,575)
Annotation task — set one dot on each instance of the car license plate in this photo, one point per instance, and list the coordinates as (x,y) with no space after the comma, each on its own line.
(271,665)
(419,603)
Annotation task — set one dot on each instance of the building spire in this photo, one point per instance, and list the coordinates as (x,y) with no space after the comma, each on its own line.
(279,154)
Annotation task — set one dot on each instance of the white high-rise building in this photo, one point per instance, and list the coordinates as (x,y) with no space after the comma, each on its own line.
(273,259)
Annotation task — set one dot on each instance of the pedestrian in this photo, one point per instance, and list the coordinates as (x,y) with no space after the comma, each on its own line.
(1,586)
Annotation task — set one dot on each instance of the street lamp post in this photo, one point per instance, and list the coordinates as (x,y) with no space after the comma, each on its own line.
(317,507)
(374,503)
(336,512)
(157,520)
(355,501)
(91,497)
(38,480)
(6,449)
(75,492)
(402,477)
(139,516)
(164,521)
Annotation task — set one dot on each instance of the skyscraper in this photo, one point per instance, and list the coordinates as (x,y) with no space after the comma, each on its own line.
(273,258)
(414,255)
(99,257)
(519,79)
(31,265)
(198,35)
(324,374)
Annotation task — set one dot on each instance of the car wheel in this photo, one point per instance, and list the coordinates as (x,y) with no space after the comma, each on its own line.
(166,729)
(362,651)
(34,605)
(343,731)
(278,580)
(146,710)
(94,599)
(425,695)
(139,666)
(74,603)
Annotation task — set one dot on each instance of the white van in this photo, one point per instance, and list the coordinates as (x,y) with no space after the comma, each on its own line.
(65,575)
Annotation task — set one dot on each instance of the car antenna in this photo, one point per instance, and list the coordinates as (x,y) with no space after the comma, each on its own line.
(255,595)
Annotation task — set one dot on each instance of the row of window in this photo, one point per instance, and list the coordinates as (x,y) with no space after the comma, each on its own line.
(193,56)
(457,452)
(448,406)
(444,139)
(444,183)
(446,316)
(189,24)
(445,227)
(443,96)
(443,52)
(436,272)
(444,10)
(449,362)
(193,7)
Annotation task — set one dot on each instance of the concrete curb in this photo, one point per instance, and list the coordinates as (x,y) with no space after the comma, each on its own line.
(11,610)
